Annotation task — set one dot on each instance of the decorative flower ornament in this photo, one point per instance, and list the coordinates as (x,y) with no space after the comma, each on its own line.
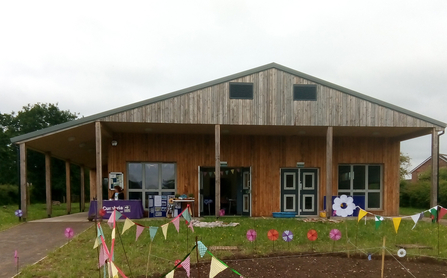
(343,206)
(18,213)
(335,234)
(251,235)
(402,252)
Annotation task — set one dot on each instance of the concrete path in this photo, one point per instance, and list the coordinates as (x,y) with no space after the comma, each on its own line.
(34,240)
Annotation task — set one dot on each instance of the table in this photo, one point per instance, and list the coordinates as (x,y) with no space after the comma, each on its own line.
(186,201)
(131,208)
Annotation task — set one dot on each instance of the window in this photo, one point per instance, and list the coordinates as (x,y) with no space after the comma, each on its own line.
(241,90)
(148,178)
(362,180)
(305,92)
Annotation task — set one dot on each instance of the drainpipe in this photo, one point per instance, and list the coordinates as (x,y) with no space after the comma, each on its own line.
(437,176)
(18,178)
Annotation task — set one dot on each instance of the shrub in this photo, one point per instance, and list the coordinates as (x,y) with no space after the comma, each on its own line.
(9,194)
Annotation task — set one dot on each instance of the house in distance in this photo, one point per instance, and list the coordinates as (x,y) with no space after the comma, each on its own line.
(264,140)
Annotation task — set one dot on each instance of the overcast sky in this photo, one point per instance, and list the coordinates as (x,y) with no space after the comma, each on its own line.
(92,56)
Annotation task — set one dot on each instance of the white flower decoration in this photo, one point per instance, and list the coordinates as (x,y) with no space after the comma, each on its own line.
(343,206)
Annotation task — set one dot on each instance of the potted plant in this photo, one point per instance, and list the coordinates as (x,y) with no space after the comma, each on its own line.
(177,196)
(190,196)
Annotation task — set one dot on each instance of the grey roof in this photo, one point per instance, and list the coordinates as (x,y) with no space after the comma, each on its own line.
(98,116)
(441,156)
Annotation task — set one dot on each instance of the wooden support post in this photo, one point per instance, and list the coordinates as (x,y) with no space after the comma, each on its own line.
(92,176)
(82,200)
(434,168)
(383,256)
(48,184)
(23,181)
(329,140)
(68,186)
(217,168)
(98,165)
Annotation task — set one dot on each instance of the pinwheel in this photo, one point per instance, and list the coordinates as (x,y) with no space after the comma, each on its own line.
(335,234)
(312,235)
(273,236)
(287,236)
(18,213)
(251,235)
(69,232)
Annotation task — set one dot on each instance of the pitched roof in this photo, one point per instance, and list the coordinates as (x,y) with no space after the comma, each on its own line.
(92,118)
(441,156)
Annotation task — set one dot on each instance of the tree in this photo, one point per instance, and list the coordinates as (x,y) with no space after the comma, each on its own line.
(30,118)
(404,165)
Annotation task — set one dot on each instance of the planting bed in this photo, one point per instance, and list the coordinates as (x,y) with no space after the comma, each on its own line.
(324,266)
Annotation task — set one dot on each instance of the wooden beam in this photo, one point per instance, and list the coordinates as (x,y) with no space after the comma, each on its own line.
(48,183)
(98,143)
(217,168)
(329,146)
(82,200)
(68,186)
(23,181)
(434,168)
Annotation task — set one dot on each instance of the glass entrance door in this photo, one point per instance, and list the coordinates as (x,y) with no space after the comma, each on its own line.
(299,191)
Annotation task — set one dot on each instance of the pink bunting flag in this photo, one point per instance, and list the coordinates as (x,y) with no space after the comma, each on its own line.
(187,265)
(139,231)
(102,257)
(111,219)
(176,224)
(191,227)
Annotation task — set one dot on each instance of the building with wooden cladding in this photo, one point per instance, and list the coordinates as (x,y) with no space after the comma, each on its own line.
(260,141)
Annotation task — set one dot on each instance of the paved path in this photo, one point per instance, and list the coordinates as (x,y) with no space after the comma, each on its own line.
(35,239)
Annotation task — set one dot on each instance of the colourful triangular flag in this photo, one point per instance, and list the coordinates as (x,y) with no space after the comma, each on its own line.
(396,221)
(139,231)
(97,242)
(170,274)
(117,215)
(186,215)
(113,233)
(415,218)
(379,220)
(442,212)
(176,223)
(232,171)
(216,267)
(434,212)
(100,232)
(111,219)
(114,270)
(191,227)
(102,257)
(153,232)
(187,265)
(164,229)
(362,213)
(202,248)
(127,224)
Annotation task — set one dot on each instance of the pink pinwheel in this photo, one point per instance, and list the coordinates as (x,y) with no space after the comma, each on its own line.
(335,234)
(251,235)
(69,233)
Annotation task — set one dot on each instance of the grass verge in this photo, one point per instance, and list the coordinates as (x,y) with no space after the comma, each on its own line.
(79,259)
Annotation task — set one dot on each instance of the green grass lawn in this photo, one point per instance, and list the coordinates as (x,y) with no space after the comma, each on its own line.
(79,259)
(35,211)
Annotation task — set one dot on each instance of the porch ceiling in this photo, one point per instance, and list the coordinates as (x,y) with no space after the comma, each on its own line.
(78,143)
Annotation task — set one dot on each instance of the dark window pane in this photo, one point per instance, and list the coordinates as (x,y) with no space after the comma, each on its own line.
(151,171)
(374,200)
(359,177)
(135,175)
(289,203)
(241,90)
(290,180)
(168,176)
(308,204)
(374,177)
(135,195)
(304,92)
(308,181)
(344,174)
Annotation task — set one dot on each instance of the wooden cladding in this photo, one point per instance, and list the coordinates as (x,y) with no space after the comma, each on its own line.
(272,104)
(266,155)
